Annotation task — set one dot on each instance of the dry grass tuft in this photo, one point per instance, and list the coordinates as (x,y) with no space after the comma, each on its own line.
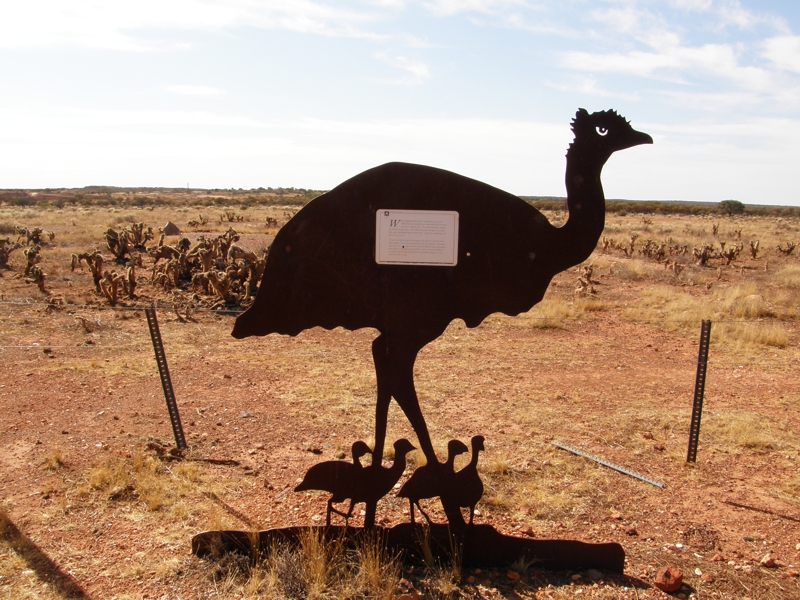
(591,304)
(315,568)
(789,490)
(377,573)
(768,333)
(745,430)
(54,458)
(549,313)
(144,477)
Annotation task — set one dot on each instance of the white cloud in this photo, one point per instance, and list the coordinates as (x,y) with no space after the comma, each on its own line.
(91,118)
(714,102)
(194,90)
(120,25)
(587,86)
(710,59)
(623,19)
(452,7)
(691,5)
(417,71)
(784,52)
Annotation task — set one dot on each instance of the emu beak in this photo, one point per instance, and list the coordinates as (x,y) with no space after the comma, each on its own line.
(638,138)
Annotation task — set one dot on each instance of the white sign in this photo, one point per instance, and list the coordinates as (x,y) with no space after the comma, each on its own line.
(416,237)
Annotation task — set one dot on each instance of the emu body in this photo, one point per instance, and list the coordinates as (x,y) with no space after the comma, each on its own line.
(321,270)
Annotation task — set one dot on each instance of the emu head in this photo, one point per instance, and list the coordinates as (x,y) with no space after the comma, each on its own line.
(605,132)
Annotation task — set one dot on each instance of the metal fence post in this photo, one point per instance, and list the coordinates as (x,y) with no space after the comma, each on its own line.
(699,389)
(166,383)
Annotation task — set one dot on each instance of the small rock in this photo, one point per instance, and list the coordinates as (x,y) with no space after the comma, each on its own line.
(246,414)
(647,435)
(259,446)
(513,575)
(631,531)
(594,574)
(340,454)
(413,595)
(718,558)
(65,432)
(669,579)
(477,571)
(707,578)
(576,577)
(793,573)
(616,516)
(797,547)
(471,579)
(659,447)
(527,530)
(768,561)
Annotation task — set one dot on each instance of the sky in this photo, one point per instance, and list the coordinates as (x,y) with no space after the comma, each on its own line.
(308,93)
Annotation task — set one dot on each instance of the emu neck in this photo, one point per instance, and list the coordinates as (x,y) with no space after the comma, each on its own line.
(473,461)
(578,237)
(399,465)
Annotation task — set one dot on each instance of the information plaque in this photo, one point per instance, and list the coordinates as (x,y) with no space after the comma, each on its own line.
(416,237)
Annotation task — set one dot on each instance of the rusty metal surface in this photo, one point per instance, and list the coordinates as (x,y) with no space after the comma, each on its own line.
(480,545)
(321,269)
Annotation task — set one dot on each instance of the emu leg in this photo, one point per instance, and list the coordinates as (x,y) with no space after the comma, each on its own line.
(402,359)
(382,369)
(424,514)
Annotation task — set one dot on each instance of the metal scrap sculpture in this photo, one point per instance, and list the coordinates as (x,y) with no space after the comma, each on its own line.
(325,270)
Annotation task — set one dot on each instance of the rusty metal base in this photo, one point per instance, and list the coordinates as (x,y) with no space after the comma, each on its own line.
(477,545)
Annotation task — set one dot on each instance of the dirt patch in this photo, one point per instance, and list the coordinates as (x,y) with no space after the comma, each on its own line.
(611,373)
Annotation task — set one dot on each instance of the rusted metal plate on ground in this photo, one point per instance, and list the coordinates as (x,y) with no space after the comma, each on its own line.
(478,545)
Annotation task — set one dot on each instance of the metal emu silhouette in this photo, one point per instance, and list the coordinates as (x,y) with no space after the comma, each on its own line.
(321,269)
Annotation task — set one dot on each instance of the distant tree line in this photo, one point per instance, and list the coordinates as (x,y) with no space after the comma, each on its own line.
(656,207)
(106,196)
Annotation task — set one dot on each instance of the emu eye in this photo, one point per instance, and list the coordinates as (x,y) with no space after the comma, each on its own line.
(601,130)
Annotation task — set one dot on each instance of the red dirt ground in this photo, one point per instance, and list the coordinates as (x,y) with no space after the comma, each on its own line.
(599,381)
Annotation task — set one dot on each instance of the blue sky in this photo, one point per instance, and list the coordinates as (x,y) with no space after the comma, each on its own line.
(307,93)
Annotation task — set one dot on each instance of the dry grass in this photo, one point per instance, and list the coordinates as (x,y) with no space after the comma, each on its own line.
(54,458)
(550,312)
(145,478)
(745,430)
(315,568)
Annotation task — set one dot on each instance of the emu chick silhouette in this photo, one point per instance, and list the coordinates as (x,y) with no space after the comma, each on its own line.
(321,269)
(428,481)
(350,480)
(467,488)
